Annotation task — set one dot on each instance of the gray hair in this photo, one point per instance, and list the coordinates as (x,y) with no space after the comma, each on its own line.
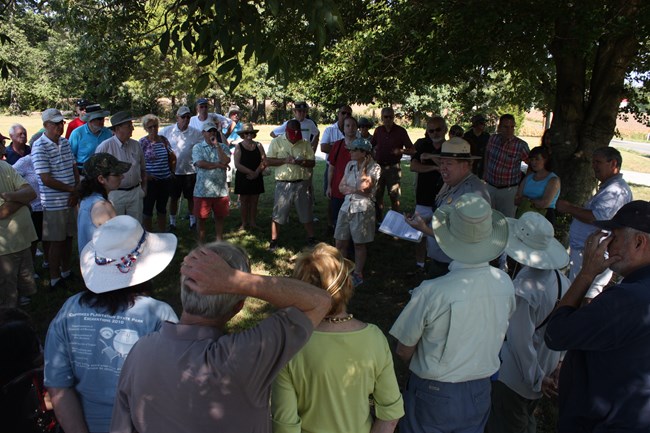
(14,127)
(215,306)
(148,118)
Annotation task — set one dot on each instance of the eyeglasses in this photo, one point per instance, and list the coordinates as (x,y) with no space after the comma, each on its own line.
(151,126)
(431,131)
(126,262)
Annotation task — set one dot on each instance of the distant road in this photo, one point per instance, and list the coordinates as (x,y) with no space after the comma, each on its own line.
(632,145)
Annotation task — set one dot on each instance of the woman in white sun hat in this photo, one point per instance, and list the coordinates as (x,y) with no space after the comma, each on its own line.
(528,365)
(90,337)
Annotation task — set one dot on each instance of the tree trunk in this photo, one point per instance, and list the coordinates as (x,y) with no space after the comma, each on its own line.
(586,120)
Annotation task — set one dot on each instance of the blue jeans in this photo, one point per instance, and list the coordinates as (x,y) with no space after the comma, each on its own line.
(442,407)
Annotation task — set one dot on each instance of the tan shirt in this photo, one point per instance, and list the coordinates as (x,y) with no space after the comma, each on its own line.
(128,152)
(16,231)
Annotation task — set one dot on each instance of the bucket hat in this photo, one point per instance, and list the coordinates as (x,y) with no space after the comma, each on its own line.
(469,231)
(120,117)
(531,242)
(122,254)
(94,112)
(234,109)
(248,127)
(364,121)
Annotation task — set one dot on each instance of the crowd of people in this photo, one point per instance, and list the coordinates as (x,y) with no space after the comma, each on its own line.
(494,325)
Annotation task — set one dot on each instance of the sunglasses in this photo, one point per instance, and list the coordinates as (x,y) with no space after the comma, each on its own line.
(388,117)
(249,133)
(185,116)
(346,113)
(431,131)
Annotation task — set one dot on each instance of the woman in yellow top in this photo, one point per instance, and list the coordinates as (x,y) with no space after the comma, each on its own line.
(329,385)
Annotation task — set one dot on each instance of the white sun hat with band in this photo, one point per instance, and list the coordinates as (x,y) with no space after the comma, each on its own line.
(469,230)
(122,254)
(532,243)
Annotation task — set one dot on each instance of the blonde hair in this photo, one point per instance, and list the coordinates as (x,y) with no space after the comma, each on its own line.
(324,267)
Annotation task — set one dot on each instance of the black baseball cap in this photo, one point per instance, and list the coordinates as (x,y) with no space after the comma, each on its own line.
(635,215)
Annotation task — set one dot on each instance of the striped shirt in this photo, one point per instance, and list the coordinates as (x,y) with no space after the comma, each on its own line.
(58,161)
(156,157)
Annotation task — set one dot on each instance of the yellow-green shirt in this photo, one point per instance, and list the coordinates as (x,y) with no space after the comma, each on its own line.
(325,388)
(16,231)
(281,148)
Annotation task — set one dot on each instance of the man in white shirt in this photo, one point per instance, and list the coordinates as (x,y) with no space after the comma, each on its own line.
(308,128)
(182,138)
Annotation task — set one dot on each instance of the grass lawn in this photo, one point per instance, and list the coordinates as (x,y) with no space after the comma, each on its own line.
(379,300)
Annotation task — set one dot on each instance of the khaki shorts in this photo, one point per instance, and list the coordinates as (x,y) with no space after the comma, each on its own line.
(59,224)
(289,193)
(360,226)
(16,277)
(128,202)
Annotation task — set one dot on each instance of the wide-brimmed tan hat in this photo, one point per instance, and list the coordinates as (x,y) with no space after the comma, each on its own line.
(122,254)
(469,231)
(531,242)
(456,148)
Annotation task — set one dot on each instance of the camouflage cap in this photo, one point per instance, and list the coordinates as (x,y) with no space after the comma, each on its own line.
(105,164)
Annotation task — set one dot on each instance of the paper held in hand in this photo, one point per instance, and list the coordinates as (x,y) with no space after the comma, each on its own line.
(395,225)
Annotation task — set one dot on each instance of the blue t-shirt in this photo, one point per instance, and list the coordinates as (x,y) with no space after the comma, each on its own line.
(83,142)
(85,226)
(85,350)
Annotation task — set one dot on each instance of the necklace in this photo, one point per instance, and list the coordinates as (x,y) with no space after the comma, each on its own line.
(338,319)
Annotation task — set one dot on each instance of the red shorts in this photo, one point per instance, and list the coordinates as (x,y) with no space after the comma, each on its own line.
(219,205)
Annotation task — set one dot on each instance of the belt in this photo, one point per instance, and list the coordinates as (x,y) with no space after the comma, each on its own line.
(504,186)
(129,188)
(291,181)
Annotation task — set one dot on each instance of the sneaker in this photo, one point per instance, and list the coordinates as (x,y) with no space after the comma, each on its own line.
(193,226)
(273,245)
(39,253)
(46,265)
(36,276)
(315,219)
(311,242)
(24,300)
(357,279)
(172,228)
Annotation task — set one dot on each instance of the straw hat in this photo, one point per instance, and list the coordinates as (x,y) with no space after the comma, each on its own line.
(456,148)
(121,254)
(469,231)
(531,242)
